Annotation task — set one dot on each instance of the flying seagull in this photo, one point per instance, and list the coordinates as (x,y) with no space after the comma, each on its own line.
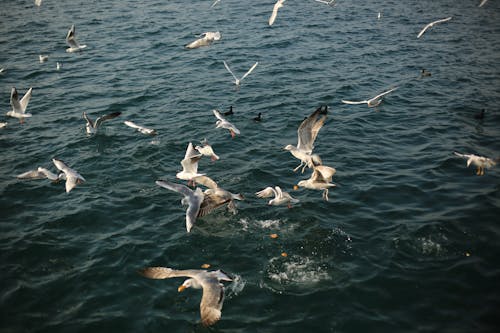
(19,106)
(372,102)
(71,41)
(319,180)
(307,133)
(73,178)
(210,281)
(143,130)
(236,80)
(277,6)
(223,123)
(431,25)
(91,127)
(205,39)
(206,150)
(480,162)
(280,197)
(191,198)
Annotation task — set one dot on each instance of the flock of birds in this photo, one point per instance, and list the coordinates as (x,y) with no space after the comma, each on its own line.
(202,202)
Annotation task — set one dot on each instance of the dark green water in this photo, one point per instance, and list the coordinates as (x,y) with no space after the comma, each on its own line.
(407,243)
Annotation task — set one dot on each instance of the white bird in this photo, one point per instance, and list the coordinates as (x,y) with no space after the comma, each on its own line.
(3,124)
(379,15)
(91,127)
(431,25)
(330,3)
(237,81)
(58,65)
(2,70)
(73,178)
(307,133)
(191,198)
(41,173)
(190,165)
(38,2)
(19,106)
(43,58)
(277,6)
(210,281)
(143,130)
(206,150)
(372,102)
(215,2)
(482,3)
(223,123)
(480,162)
(205,39)
(319,180)
(280,197)
(71,41)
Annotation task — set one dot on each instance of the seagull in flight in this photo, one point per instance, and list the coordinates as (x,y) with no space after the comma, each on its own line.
(277,6)
(205,39)
(372,102)
(319,180)
(307,133)
(143,130)
(431,25)
(19,106)
(236,80)
(71,41)
(280,197)
(480,162)
(72,177)
(210,281)
(223,123)
(91,127)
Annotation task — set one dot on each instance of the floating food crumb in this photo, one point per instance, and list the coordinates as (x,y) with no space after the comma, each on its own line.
(205,266)
(467,254)
(273,236)
(284,254)
(295,187)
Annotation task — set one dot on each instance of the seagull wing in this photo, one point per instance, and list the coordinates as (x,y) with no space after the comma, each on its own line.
(466,156)
(424,29)
(230,71)
(191,158)
(32,174)
(211,201)
(25,100)
(384,93)
(218,115)
(132,124)
(309,129)
(205,181)
(267,192)
(277,6)
(14,100)
(323,174)
(249,71)
(109,116)
(353,102)
(279,192)
(211,301)
(482,3)
(70,38)
(89,121)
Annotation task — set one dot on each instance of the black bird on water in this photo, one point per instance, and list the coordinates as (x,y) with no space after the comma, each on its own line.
(230,112)
(480,115)
(258,118)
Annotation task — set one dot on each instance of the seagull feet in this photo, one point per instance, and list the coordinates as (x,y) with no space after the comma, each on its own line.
(213,159)
(297,168)
(325,194)
(232,134)
(289,206)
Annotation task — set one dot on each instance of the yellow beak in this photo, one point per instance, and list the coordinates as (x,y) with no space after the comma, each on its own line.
(181,288)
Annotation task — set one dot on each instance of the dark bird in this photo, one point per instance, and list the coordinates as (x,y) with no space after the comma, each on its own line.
(230,112)
(480,115)
(258,118)
(424,73)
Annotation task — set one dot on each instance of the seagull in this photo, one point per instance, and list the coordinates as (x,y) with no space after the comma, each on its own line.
(43,58)
(41,173)
(143,130)
(38,2)
(191,198)
(3,124)
(2,70)
(72,177)
(206,150)
(307,133)
(71,41)
(431,25)
(215,2)
(277,6)
(320,180)
(216,197)
(330,3)
(372,102)
(19,106)
(92,127)
(379,15)
(223,123)
(205,39)
(190,165)
(58,65)
(210,281)
(280,197)
(236,80)
(482,3)
(480,161)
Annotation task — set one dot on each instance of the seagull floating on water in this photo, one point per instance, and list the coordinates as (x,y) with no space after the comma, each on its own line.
(277,6)
(3,124)
(319,180)
(431,25)
(210,281)
(205,39)
(237,81)
(280,197)
(372,102)
(72,177)
(480,162)
(43,58)
(71,41)
(143,130)
(206,150)
(19,106)
(223,123)
(307,133)
(91,127)
(191,198)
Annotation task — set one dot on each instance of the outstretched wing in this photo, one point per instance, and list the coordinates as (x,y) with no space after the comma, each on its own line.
(109,116)
(353,102)
(249,71)
(309,129)
(267,192)
(25,100)
(229,70)
(89,121)
(384,93)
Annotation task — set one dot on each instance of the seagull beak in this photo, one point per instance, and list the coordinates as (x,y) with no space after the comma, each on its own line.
(181,288)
